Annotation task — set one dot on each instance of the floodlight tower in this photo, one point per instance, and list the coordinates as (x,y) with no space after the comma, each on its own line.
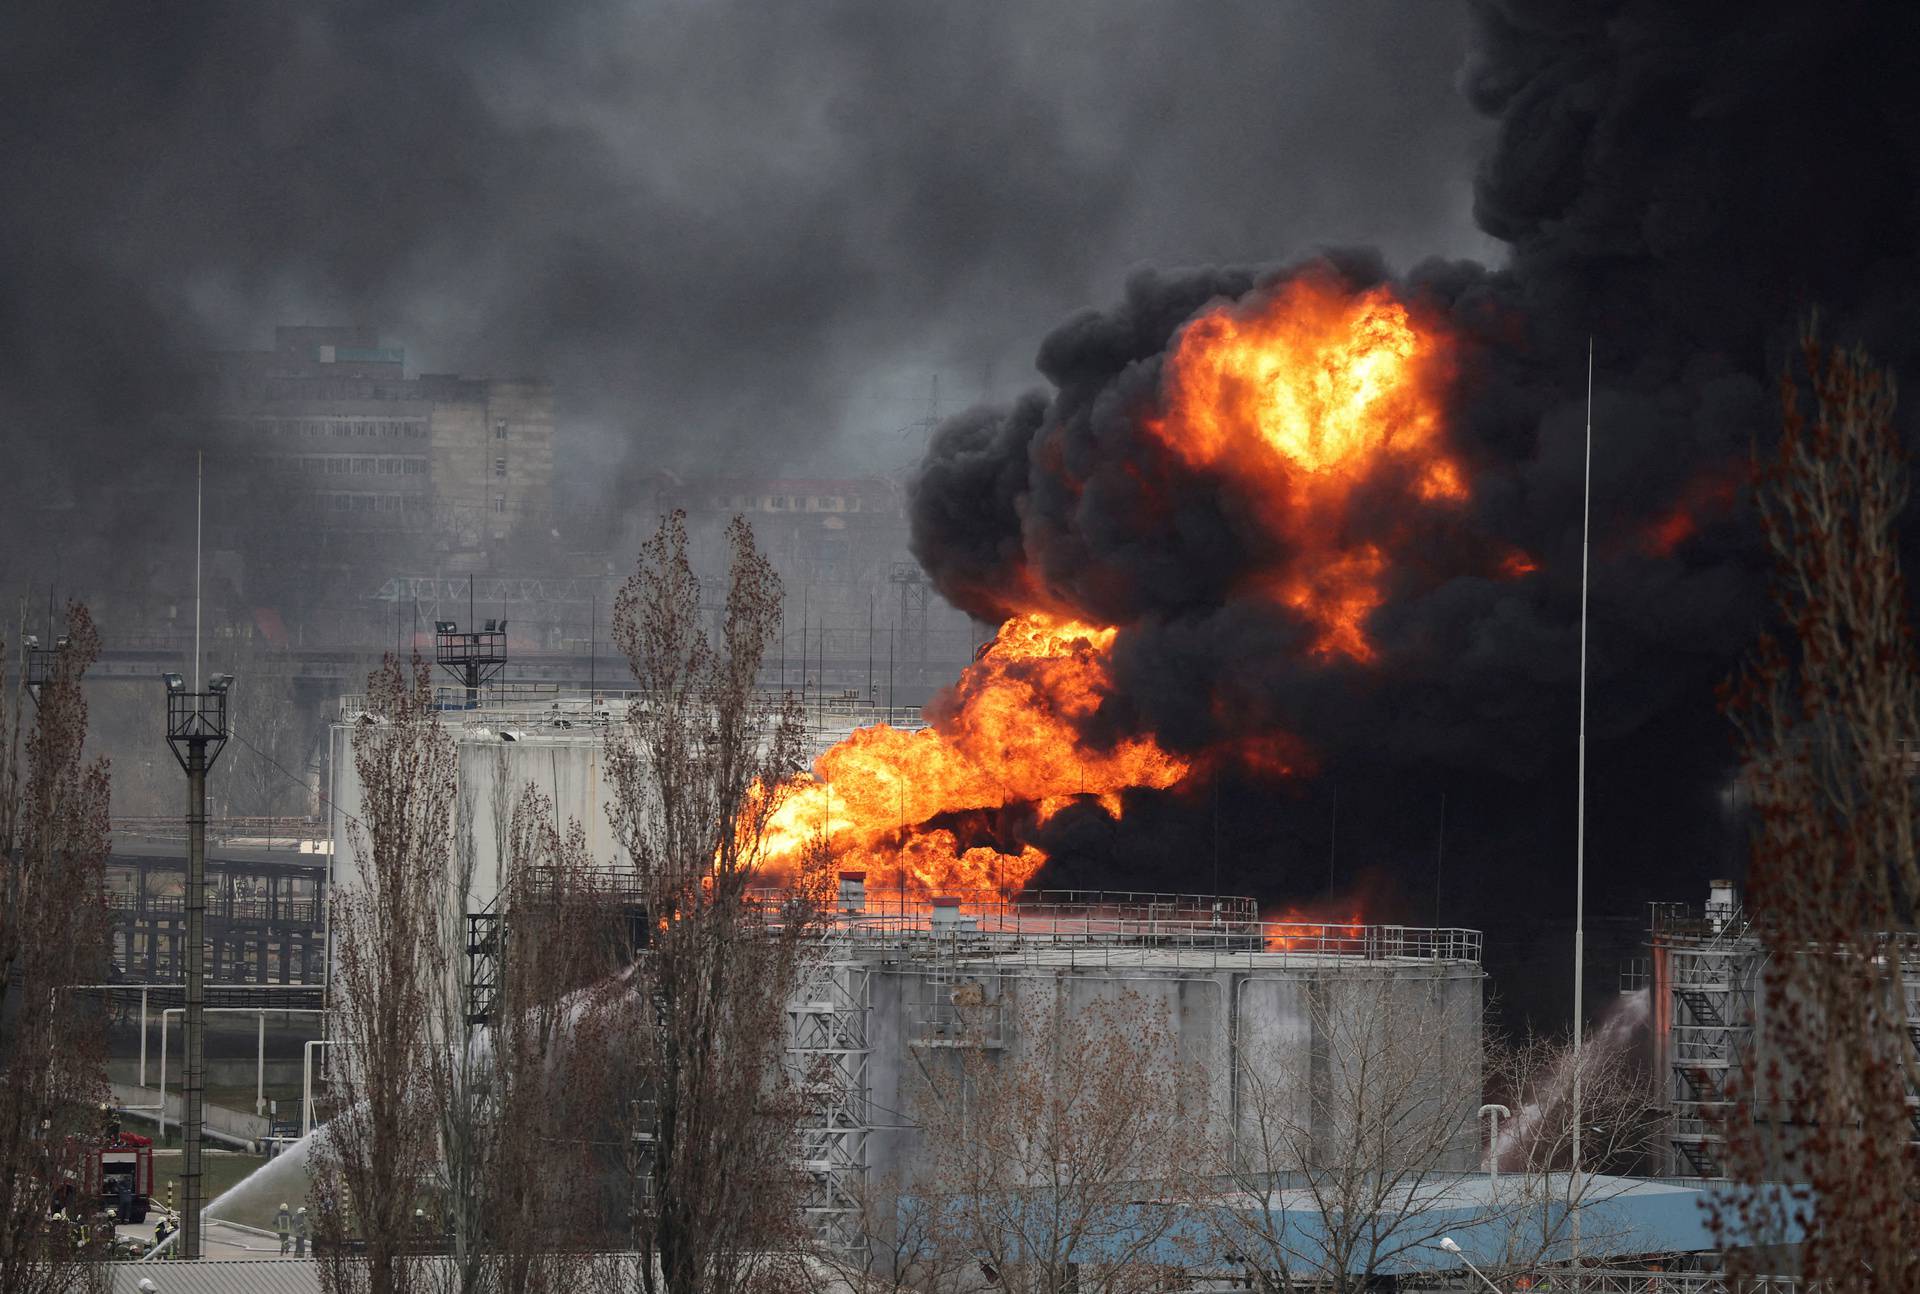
(41,663)
(196,732)
(474,657)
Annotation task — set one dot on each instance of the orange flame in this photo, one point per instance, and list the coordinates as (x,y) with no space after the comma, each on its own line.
(1005,735)
(1517,564)
(1310,393)
(1292,930)
(1709,495)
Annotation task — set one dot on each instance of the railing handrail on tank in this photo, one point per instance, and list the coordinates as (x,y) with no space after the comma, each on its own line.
(1117,941)
(1107,927)
(532,702)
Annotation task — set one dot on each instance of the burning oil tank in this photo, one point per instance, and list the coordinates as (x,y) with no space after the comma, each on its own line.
(909,989)
(904,986)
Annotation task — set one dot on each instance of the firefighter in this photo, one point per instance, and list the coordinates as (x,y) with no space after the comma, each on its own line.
(300,1232)
(283,1226)
(161,1230)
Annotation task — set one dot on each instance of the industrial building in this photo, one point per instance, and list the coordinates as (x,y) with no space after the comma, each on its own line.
(266,901)
(463,461)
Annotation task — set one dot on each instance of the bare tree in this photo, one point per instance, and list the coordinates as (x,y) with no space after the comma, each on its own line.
(1827,716)
(697,770)
(1344,1143)
(1064,1166)
(1540,1195)
(53,933)
(377,1152)
(906,1246)
(519,1066)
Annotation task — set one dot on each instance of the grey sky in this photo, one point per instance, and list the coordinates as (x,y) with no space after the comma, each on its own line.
(749,230)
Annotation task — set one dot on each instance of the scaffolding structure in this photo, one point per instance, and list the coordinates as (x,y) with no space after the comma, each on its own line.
(827,1056)
(1706,968)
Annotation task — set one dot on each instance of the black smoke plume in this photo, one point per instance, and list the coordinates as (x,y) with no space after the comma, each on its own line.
(1682,184)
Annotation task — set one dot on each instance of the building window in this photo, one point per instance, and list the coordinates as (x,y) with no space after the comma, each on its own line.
(499,431)
(499,503)
(500,469)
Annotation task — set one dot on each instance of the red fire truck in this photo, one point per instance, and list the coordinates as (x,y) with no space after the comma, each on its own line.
(118,1173)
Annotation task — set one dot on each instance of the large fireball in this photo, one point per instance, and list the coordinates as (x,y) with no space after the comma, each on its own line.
(1300,399)
(1301,396)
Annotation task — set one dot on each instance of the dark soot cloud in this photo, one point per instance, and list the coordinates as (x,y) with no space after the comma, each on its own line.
(1681,183)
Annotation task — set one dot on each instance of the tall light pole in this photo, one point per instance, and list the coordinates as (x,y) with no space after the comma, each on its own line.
(196,732)
(1580,847)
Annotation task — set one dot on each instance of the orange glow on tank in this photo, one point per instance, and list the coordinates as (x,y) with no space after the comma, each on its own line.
(1293,930)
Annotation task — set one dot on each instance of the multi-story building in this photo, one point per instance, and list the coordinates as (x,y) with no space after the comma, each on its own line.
(365,446)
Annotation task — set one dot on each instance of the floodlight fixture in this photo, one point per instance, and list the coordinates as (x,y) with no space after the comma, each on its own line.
(33,641)
(219,682)
(1447,1243)
(175,683)
(473,658)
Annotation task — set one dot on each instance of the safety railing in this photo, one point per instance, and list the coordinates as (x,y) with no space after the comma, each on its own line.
(294,835)
(534,704)
(290,911)
(1110,930)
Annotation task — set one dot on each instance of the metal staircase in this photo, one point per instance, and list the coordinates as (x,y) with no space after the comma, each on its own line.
(827,1059)
(484,935)
(1711,967)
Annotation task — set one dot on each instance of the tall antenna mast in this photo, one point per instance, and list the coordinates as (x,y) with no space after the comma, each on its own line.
(199,496)
(1580,846)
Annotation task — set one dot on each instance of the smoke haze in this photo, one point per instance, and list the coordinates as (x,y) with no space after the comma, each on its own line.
(722,229)
(743,237)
